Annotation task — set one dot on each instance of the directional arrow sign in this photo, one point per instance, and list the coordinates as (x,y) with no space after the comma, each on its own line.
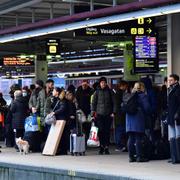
(149,31)
(149,20)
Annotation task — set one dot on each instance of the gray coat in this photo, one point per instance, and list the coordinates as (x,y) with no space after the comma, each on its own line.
(38,101)
(103,101)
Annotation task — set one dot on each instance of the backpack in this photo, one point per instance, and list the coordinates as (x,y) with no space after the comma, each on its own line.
(131,106)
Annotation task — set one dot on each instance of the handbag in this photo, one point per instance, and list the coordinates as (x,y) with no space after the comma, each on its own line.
(51,118)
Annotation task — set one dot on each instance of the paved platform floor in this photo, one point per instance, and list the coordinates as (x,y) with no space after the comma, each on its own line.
(115,164)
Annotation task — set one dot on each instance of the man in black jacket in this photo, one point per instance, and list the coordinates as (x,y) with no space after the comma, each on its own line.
(103,109)
(174,117)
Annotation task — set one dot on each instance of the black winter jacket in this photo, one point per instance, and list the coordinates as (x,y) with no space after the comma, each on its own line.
(19,109)
(61,110)
(173,103)
(103,101)
(83,97)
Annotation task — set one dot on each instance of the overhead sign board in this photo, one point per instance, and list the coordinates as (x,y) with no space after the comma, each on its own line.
(52,47)
(142,26)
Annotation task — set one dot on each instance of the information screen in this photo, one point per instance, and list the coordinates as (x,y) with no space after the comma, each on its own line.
(145,54)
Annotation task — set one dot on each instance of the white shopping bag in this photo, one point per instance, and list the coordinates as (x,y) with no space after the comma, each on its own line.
(93,140)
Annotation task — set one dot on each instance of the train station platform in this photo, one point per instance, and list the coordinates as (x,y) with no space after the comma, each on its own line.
(35,166)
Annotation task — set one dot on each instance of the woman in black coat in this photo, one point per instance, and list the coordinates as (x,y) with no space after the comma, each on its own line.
(19,110)
(60,110)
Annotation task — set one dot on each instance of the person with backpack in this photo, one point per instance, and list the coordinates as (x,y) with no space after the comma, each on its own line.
(137,108)
(103,109)
(174,117)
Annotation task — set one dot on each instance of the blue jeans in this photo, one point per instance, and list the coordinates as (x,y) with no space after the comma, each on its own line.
(174,131)
(135,144)
(120,133)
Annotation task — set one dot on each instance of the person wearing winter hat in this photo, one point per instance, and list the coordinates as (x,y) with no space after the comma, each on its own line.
(103,79)
(102,108)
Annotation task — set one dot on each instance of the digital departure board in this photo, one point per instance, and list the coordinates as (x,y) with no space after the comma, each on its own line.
(145,47)
(145,54)
(18,61)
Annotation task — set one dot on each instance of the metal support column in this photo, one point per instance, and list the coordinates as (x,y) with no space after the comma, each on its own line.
(51,10)
(33,15)
(114,2)
(17,20)
(71,8)
(91,5)
(173,44)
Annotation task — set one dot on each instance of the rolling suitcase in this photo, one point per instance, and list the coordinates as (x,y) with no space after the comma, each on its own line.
(77,140)
(77,144)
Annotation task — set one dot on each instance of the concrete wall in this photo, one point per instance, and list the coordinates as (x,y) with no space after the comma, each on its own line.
(20,172)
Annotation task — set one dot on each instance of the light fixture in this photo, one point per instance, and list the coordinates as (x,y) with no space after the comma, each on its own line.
(85,60)
(159,11)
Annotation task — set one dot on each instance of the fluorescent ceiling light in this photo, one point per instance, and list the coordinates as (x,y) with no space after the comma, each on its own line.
(92,22)
(85,60)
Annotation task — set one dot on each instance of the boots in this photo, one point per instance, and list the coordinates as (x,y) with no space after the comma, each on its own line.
(173,149)
(101,150)
(178,148)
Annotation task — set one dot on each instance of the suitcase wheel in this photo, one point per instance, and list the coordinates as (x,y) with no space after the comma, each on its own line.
(84,153)
(80,154)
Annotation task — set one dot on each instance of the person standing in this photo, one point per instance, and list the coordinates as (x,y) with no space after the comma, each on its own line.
(37,100)
(103,109)
(19,110)
(120,117)
(83,97)
(174,117)
(135,123)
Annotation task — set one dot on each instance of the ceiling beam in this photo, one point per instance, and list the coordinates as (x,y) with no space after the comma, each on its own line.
(16,5)
(120,9)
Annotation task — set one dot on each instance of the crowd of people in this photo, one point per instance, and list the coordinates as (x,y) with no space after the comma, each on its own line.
(154,113)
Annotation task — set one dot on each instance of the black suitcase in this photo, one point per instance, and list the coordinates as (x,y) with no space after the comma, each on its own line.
(162,149)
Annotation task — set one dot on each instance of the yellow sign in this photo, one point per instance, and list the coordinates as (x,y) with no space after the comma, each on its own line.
(141,31)
(140,20)
(52,49)
(149,20)
(133,30)
(149,30)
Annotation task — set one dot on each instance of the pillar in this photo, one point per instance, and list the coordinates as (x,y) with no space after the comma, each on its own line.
(51,10)
(71,8)
(114,2)
(128,63)
(33,15)
(41,68)
(91,5)
(173,44)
